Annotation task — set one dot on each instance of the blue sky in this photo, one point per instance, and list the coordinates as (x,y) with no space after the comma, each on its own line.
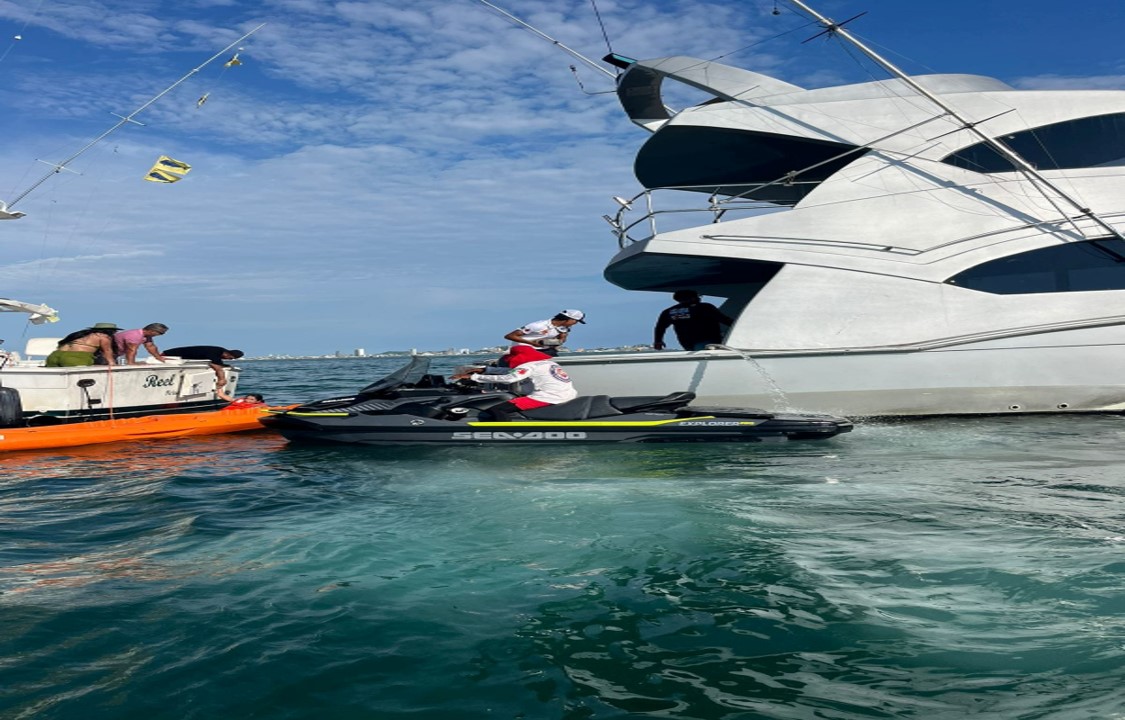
(393,175)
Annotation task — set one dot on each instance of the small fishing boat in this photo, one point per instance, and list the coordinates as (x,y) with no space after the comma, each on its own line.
(413,407)
(31,394)
(34,395)
(234,418)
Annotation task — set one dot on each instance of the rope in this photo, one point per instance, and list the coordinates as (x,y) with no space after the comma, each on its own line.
(602,26)
(19,36)
(109,384)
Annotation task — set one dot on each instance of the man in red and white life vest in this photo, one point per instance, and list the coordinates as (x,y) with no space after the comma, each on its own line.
(551,385)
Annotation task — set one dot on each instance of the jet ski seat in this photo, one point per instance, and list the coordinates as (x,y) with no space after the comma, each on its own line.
(596,406)
(657,403)
(580,408)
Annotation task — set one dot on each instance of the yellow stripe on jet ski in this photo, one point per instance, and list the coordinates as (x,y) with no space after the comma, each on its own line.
(315,414)
(589,423)
(542,423)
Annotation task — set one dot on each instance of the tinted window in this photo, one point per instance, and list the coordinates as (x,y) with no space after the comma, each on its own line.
(728,161)
(1067,267)
(1086,142)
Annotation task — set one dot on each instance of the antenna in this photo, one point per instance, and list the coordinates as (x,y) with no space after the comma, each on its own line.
(60,166)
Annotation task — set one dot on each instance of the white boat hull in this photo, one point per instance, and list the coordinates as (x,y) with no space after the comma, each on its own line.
(117,391)
(1040,374)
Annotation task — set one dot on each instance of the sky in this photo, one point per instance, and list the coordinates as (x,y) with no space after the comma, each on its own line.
(389,175)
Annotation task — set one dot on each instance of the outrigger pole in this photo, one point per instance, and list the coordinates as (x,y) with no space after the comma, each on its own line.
(570,51)
(56,168)
(1029,171)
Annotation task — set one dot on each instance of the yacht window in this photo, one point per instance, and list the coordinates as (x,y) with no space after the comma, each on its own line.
(732,161)
(1067,267)
(1086,142)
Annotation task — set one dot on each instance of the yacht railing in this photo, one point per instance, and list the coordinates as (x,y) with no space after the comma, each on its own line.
(730,199)
(957,342)
(721,201)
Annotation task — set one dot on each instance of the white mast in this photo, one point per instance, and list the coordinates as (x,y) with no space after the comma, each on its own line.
(1033,175)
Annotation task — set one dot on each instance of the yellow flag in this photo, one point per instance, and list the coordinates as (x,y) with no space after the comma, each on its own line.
(167,170)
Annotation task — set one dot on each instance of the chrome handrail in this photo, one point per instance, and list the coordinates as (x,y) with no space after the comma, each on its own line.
(717,207)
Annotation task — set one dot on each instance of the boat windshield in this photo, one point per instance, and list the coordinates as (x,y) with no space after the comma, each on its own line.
(409,374)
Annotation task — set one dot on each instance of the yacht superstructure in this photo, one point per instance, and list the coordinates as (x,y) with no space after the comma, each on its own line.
(939,244)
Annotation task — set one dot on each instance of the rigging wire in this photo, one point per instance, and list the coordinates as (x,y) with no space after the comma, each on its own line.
(601,24)
(19,36)
(235,61)
(913,100)
(609,49)
(578,79)
(84,226)
(754,44)
(763,41)
(532,29)
(57,168)
(1041,183)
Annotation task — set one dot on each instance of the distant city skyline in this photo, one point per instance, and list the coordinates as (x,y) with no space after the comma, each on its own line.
(497,350)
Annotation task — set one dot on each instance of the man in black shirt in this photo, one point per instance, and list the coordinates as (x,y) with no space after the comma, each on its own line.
(212,354)
(695,322)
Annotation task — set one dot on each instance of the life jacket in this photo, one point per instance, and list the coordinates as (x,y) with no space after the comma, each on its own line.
(518,355)
(243,402)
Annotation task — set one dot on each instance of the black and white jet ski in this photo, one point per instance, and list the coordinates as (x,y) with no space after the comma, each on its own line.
(413,407)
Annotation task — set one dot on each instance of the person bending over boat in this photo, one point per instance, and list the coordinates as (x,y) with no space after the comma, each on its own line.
(127,342)
(212,354)
(79,348)
(550,383)
(546,335)
(695,322)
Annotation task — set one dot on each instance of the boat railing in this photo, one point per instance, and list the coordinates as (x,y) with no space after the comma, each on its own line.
(949,342)
(721,201)
(728,201)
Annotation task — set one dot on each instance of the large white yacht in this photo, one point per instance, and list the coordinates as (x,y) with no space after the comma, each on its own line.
(926,245)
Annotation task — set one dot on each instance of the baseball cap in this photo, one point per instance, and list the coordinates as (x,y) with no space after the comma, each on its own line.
(575,315)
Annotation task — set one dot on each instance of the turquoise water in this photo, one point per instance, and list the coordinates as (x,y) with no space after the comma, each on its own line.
(936,569)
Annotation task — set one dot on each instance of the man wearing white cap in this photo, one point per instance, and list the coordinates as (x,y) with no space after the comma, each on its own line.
(546,335)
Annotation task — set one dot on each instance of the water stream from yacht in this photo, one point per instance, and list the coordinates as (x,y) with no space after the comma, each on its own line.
(780,399)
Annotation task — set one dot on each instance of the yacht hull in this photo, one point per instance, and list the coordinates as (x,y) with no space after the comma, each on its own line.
(953,381)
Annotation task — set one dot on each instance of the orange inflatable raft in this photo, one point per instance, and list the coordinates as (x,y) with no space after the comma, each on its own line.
(150,427)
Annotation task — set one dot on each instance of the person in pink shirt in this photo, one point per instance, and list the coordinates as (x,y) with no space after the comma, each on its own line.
(126,342)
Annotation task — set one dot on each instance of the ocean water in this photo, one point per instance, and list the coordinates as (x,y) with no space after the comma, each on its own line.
(932,569)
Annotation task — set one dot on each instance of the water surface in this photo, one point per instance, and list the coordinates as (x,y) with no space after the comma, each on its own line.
(933,569)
